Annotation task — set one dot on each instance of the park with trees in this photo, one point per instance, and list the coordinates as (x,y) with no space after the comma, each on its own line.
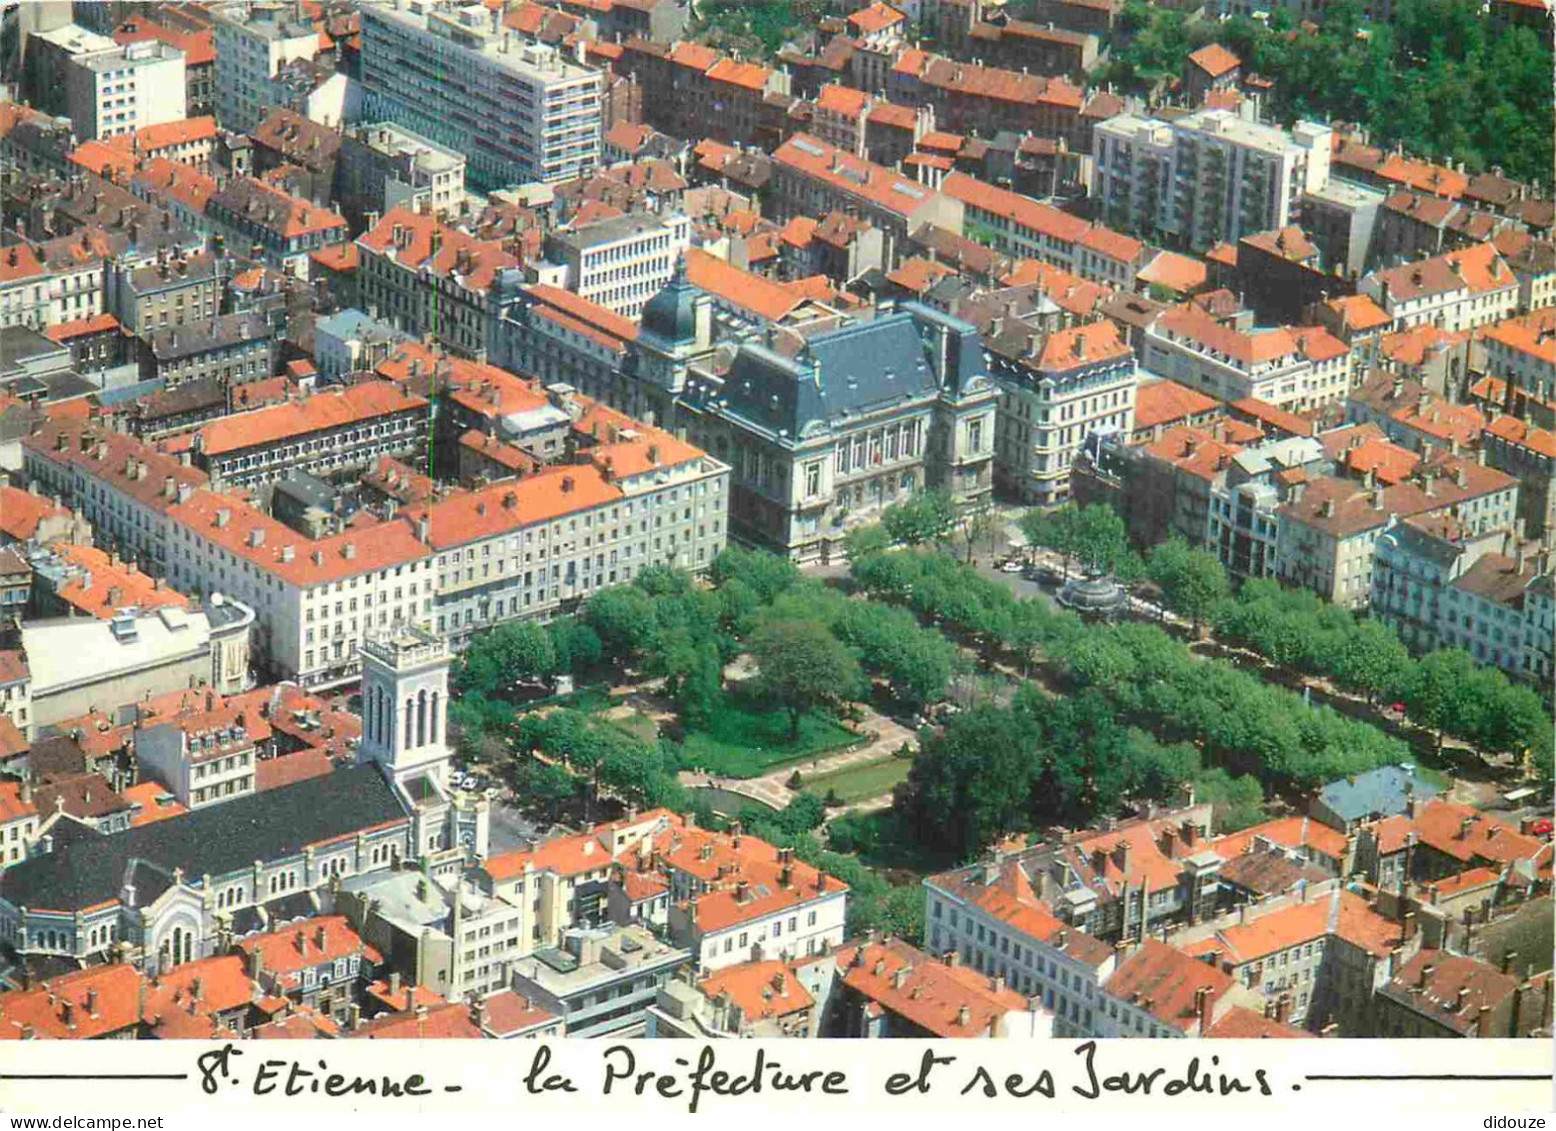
(758,669)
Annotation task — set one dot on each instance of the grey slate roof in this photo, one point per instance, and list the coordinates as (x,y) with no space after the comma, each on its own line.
(214,841)
(848,372)
(1382,791)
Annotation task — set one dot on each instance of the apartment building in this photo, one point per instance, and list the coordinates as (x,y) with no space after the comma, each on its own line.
(273,225)
(515,549)
(622,262)
(329,433)
(1055,390)
(123,488)
(172,291)
(1207,177)
(55,282)
(564,339)
(204,757)
(1328,528)
(735,898)
(231,348)
(125,89)
(1418,559)
(599,981)
(1319,961)
(1529,453)
(383,166)
(974,100)
(1242,528)
(1298,368)
(861,416)
(1439,995)
(811,178)
(199,48)
(1461,290)
(889,989)
(517,111)
(253,42)
(427,277)
(1412,416)
(1498,610)
(1522,352)
(18,821)
(993,918)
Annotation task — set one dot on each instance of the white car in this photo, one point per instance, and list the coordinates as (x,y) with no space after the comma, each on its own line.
(1012,566)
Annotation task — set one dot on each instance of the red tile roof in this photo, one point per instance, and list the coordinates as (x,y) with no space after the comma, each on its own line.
(105,585)
(1190,323)
(853,176)
(333,408)
(760,989)
(1356,922)
(1162,402)
(298,946)
(1168,983)
(1476,269)
(473,261)
(439,1023)
(1181,274)
(80,327)
(876,17)
(1287,832)
(1215,60)
(95,1002)
(1522,434)
(508,1013)
(147,795)
(1241,1023)
(21,512)
(1275,417)
(1021,210)
(1088,344)
(926,992)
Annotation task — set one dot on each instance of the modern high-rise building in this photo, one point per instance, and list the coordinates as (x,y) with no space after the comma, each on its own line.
(105,88)
(253,42)
(518,111)
(1208,177)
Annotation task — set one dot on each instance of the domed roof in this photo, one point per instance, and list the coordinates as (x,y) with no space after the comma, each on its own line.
(669,314)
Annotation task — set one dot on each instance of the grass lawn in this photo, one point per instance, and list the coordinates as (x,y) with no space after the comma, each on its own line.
(862,782)
(741,743)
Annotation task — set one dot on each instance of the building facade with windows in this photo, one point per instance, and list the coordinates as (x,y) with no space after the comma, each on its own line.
(518,111)
(858,418)
(1207,177)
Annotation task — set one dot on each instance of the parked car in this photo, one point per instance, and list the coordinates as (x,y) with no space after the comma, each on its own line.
(1012,565)
(1542,827)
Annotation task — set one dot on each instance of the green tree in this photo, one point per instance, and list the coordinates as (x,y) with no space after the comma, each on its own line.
(863,541)
(577,646)
(1191,579)
(980,528)
(925,518)
(766,573)
(623,616)
(1100,538)
(495,659)
(1436,692)
(1374,661)
(972,782)
(801,667)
